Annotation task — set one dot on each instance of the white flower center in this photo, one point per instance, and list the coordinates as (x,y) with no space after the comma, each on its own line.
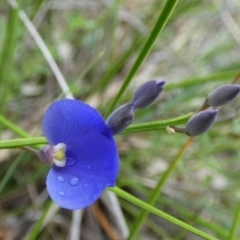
(59,155)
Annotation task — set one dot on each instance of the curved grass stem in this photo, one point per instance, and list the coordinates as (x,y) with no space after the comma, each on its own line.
(160,213)
(157,191)
(235,224)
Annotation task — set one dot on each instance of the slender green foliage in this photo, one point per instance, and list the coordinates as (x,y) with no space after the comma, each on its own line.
(235,225)
(157,191)
(13,127)
(160,213)
(7,57)
(15,143)
(10,171)
(38,225)
(157,29)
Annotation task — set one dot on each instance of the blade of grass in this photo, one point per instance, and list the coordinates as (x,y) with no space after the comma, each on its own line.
(235,225)
(37,5)
(14,128)
(157,29)
(7,56)
(186,213)
(133,210)
(157,191)
(197,80)
(10,171)
(105,80)
(160,213)
(39,224)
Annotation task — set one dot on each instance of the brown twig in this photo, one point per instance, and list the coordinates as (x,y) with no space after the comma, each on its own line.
(104,223)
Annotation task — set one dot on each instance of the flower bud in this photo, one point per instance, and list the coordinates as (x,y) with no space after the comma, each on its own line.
(222,95)
(146,94)
(121,118)
(201,122)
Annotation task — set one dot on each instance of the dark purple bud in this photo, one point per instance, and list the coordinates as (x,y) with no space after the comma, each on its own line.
(201,122)
(146,94)
(222,95)
(121,118)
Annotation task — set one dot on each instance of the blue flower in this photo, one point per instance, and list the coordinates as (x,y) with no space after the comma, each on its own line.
(85,158)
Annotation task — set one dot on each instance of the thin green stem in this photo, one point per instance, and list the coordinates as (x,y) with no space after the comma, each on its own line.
(157,125)
(187,213)
(111,72)
(15,143)
(235,224)
(157,29)
(157,191)
(160,213)
(38,225)
(26,140)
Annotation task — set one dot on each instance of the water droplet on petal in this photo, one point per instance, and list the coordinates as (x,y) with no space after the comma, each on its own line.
(71,162)
(88,167)
(60,179)
(61,193)
(74,181)
(86,184)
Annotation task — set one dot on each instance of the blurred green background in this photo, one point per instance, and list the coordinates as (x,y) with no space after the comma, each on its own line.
(95,43)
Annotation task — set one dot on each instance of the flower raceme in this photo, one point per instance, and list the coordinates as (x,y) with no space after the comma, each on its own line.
(143,97)
(83,152)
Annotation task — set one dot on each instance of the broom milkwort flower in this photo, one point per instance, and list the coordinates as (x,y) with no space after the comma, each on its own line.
(82,152)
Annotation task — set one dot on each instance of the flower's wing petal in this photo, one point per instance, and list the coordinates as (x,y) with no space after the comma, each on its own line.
(67,118)
(92,165)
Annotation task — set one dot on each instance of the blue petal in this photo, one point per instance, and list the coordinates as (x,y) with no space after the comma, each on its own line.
(92,159)
(67,118)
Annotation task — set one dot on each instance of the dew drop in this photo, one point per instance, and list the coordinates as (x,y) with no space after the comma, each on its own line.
(60,179)
(74,181)
(62,194)
(88,167)
(86,184)
(71,162)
